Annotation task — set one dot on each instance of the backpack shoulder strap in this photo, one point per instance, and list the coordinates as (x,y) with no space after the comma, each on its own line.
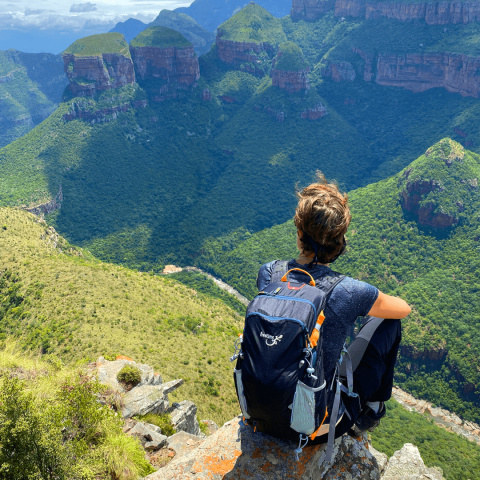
(279,269)
(328,282)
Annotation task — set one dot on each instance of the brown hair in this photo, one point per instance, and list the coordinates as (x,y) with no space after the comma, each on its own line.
(322,217)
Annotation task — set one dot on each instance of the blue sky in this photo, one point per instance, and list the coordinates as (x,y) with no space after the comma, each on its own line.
(77,15)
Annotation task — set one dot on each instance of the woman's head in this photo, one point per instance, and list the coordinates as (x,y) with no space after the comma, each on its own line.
(322,218)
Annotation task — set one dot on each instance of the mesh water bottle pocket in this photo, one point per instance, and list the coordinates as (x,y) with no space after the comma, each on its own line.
(303,408)
(237,374)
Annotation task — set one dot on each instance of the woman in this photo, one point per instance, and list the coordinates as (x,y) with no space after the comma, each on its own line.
(322,217)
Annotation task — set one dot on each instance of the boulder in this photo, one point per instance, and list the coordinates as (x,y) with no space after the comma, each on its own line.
(183,442)
(407,464)
(148,399)
(184,417)
(107,373)
(235,451)
(150,436)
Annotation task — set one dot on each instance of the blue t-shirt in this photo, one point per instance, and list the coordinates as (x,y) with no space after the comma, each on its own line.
(349,300)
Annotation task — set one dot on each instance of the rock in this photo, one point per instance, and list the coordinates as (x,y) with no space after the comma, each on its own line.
(107,372)
(381,458)
(150,436)
(183,442)
(339,71)
(90,73)
(48,207)
(236,452)
(211,426)
(243,55)
(184,417)
(407,464)
(419,72)
(171,269)
(148,399)
(310,10)
(291,81)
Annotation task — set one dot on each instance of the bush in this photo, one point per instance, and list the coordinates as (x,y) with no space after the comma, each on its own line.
(163,421)
(129,376)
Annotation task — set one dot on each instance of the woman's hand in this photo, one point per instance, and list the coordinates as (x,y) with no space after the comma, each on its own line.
(386,306)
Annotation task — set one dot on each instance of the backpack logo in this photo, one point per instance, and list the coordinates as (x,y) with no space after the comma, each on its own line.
(270,340)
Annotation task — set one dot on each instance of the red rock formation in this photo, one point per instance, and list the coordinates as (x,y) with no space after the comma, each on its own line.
(420,72)
(291,81)
(350,8)
(413,194)
(437,13)
(368,67)
(176,66)
(339,71)
(243,55)
(91,74)
(78,111)
(310,9)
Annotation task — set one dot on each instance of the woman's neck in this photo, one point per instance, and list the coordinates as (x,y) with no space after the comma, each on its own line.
(306,259)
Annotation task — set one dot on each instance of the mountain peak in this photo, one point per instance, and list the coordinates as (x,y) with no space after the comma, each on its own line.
(161,37)
(441,187)
(95,45)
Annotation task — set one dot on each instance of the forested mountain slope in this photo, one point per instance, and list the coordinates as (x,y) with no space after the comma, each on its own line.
(152,168)
(58,299)
(416,235)
(31,87)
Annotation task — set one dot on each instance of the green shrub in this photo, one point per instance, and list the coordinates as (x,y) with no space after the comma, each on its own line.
(129,376)
(163,421)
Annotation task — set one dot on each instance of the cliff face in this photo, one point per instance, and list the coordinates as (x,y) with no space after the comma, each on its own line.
(244,55)
(91,74)
(291,81)
(310,9)
(420,72)
(176,67)
(436,13)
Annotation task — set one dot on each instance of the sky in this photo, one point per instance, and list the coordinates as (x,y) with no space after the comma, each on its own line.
(69,14)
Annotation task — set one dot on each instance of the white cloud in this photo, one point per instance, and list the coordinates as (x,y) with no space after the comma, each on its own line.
(83,7)
(23,14)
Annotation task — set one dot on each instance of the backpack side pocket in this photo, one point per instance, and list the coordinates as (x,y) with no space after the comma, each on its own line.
(237,375)
(304,407)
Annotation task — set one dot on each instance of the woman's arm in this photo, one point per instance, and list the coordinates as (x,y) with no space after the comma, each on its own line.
(386,306)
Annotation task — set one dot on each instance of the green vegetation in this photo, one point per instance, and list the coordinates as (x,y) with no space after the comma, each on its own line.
(52,426)
(96,45)
(161,37)
(163,421)
(31,86)
(200,38)
(252,24)
(435,270)
(455,455)
(130,376)
(58,299)
(290,58)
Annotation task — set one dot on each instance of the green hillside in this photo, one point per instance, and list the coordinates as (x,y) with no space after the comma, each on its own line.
(200,38)
(31,87)
(162,37)
(252,24)
(95,45)
(58,299)
(290,57)
(434,269)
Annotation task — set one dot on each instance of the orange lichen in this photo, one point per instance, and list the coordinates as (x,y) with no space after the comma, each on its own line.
(266,467)
(214,464)
(123,357)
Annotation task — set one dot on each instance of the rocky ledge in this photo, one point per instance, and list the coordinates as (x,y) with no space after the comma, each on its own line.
(310,9)
(176,67)
(443,418)
(91,74)
(416,72)
(433,13)
(236,452)
(245,56)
